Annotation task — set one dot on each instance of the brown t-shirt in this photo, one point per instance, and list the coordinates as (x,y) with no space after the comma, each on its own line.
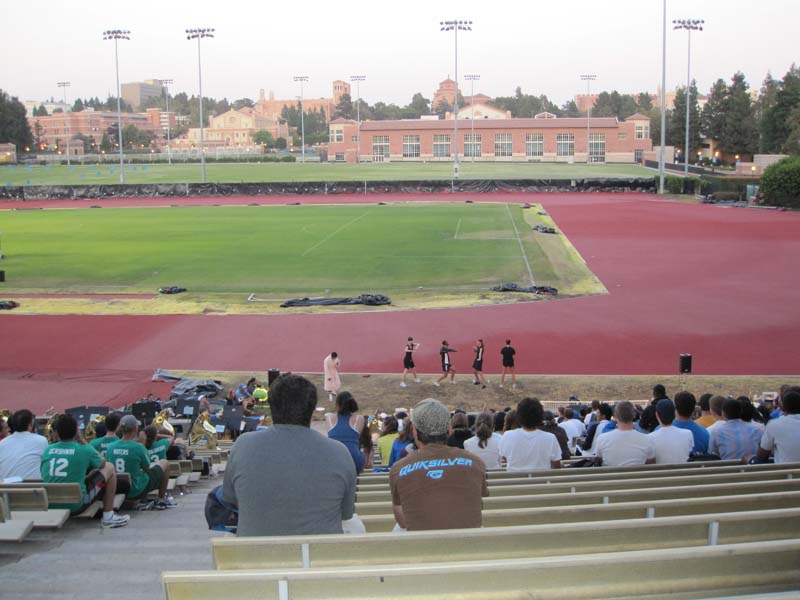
(439,487)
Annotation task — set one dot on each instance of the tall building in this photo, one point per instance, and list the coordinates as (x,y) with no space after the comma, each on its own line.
(270,107)
(137,92)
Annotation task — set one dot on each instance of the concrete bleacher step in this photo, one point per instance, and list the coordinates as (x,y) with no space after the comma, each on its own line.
(31,504)
(425,547)
(755,567)
(12,531)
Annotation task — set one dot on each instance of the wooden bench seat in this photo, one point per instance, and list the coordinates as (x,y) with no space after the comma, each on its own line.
(31,503)
(655,507)
(756,567)
(530,541)
(14,530)
(612,484)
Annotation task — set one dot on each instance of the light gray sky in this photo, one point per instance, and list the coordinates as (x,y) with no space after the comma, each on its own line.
(541,46)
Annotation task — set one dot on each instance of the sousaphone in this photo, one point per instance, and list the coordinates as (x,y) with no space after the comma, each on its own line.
(162,423)
(90,432)
(203,428)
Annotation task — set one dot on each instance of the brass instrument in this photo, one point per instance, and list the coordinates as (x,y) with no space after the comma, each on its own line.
(89,433)
(49,429)
(201,428)
(162,423)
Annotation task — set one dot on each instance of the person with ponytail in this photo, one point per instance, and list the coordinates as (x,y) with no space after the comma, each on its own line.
(485,444)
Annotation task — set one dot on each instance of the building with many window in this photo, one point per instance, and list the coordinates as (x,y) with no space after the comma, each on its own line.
(137,92)
(543,138)
(53,130)
(235,129)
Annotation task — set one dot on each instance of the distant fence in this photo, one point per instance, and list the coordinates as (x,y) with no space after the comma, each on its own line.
(676,167)
(480,186)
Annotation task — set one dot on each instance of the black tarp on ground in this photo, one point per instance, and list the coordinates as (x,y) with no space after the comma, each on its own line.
(368,299)
(540,290)
(475,186)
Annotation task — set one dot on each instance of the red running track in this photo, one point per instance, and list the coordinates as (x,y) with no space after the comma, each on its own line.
(719,283)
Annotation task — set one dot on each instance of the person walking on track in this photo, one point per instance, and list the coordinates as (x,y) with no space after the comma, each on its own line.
(508,353)
(447,365)
(332,382)
(477,364)
(408,361)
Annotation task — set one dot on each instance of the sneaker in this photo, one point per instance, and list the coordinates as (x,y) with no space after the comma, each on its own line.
(514,386)
(452,382)
(477,383)
(144,505)
(115,521)
(483,387)
(403,384)
(501,385)
(418,381)
(436,383)
(167,502)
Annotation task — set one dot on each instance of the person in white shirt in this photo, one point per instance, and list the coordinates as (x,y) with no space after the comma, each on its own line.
(485,444)
(782,435)
(21,452)
(528,448)
(605,414)
(672,445)
(625,446)
(573,427)
(593,414)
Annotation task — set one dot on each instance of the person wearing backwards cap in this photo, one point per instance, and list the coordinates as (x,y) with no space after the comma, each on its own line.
(437,487)
(673,445)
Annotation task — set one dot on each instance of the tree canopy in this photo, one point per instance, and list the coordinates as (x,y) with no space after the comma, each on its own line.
(14,127)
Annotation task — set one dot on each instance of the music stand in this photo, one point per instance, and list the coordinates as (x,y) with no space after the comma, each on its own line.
(232,417)
(187,408)
(144,411)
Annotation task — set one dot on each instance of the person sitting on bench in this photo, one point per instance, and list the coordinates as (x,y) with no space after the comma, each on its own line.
(101,444)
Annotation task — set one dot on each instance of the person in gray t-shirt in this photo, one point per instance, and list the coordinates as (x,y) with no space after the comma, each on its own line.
(289,479)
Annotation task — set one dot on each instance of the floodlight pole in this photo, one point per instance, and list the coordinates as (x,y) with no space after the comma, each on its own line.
(199,33)
(64,85)
(689,25)
(455,26)
(472,79)
(302,79)
(166,83)
(588,79)
(358,79)
(116,35)
(663,99)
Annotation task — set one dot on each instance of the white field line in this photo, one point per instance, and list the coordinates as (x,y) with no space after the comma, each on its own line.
(342,228)
(458,227)
(521,247)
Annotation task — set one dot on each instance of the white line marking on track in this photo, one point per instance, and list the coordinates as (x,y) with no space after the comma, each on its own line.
(342,228)
(458,227)
(521,247)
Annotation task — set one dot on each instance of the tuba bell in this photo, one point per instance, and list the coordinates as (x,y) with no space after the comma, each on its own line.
(201,428)
(90,433)
(162,423)
(50,428)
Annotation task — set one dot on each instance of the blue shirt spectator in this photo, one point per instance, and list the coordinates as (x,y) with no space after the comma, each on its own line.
(733,439)
(700,434)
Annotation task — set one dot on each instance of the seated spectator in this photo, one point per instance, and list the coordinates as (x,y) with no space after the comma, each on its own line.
(437,487)
(5,430)
(749,412)
(593,414)
(404,440)
(550,426)
(101,444)
(528,448)
(732,438)
(288,479)
(706,418)
(21,452)
(510,423)
(129,456)
(346,426)
(573,427)
(260,394)
(389,434)
(499,421)
(624,446)
(485,444)
(684,408)
(155,444)
(367,446)
(672,444)
(69,461)
(648,421)
(597,428)
(782,435)
(459,430)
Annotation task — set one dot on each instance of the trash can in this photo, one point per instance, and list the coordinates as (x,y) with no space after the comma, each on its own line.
(272,374)
(2,276)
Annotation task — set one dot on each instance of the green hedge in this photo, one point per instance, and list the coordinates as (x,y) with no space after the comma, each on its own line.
(780,183)
(675,184)
(729,184)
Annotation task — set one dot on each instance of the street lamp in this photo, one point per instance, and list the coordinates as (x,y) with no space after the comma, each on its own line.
(301,79)
(64,85)
(199,33)
(661,174)
(472,79)
(455,26)
(358,79)
(116,35)
(166,83)
(689,25)
(588,79)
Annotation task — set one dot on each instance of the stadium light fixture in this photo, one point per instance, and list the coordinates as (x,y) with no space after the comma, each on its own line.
(166,83)
(116,35)
(198,33)
(472,78)
(455,26)
(661,174)
(301,79)
(357,79)
(589,78)
(64,85)
(689,25)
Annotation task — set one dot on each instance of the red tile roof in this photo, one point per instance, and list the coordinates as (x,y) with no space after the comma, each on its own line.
(418,124)
(638,117)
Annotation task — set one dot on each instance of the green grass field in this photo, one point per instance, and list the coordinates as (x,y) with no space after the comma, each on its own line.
(269,172)
(286,251)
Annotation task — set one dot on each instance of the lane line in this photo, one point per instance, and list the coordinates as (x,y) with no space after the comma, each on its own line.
(458,227)
(342,228)
(521,247)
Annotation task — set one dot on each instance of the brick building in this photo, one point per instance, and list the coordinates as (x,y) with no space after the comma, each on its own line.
(53,130)
(235,129)
(271,108)
(544,138)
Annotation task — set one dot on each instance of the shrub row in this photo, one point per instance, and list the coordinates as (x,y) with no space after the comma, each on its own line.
(780,183)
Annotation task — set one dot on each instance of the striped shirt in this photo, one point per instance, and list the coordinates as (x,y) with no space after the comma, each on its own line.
(734,439)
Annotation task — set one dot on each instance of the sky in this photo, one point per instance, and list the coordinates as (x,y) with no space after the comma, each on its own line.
(543,47)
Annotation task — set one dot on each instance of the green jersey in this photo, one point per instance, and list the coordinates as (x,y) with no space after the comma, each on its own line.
(102,444)
(158,451)
(69,462)
(130,457)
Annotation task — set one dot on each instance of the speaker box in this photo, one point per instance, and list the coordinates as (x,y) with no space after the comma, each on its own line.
(2,276)
(272,375)
(685,363)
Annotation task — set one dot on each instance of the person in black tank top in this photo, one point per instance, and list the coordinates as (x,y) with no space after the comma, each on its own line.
(508,353)
(408,361)
(477,365)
